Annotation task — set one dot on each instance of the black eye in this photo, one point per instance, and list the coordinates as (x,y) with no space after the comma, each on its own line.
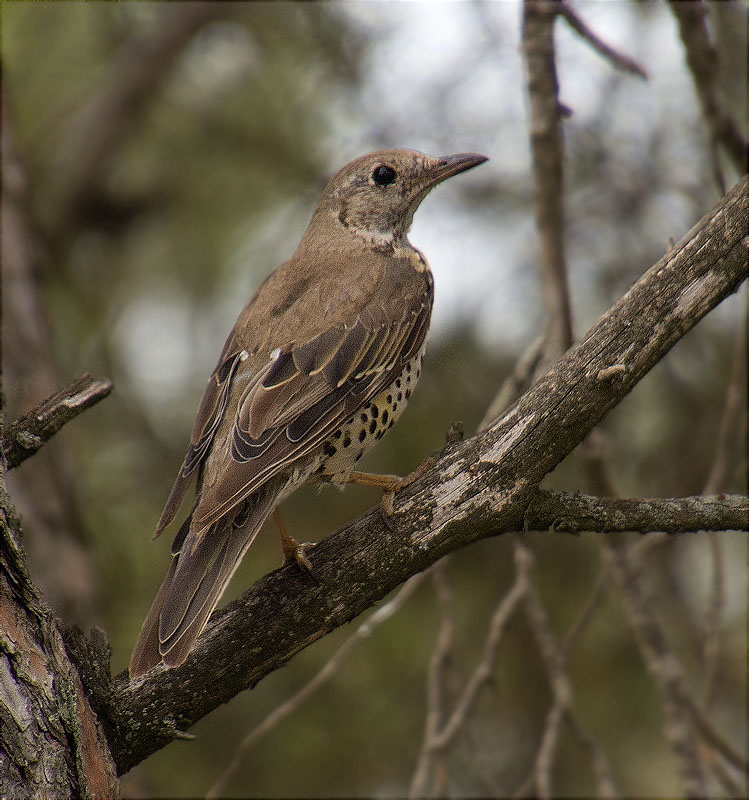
(383,175)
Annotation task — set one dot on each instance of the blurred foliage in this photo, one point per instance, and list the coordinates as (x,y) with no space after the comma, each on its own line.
(207,186)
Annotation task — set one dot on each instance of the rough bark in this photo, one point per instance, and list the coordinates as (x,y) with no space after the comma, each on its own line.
(478,488)
(29,432)
(52,742)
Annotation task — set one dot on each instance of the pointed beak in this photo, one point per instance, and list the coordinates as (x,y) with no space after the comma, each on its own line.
(447,166)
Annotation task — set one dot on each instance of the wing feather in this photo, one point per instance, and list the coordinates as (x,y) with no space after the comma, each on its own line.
(276,426)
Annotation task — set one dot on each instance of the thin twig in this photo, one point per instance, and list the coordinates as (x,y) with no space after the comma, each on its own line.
(711,736)
(435,683)
(28,433)
(485,668)
(546,148)
(619,60)
(321,678)
(590,606)
(605,786)
(703,61)
(662,665)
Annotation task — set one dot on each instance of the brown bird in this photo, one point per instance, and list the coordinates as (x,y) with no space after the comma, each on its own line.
(319,365)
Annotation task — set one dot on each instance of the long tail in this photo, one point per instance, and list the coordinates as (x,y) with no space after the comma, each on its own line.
(200,570)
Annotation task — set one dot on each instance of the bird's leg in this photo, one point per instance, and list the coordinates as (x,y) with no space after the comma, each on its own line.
(292,550)
(390,484)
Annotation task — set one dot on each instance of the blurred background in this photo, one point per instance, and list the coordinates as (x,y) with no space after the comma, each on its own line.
(164,158)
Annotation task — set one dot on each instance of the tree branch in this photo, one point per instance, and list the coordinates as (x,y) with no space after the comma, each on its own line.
(546,146)
(702,59)
(619,60)
(28,433)
(563,512)
(477,489)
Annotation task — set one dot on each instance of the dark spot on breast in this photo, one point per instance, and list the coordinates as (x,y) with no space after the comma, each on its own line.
(398,383)
(373,426)
(359,455)
(395,408)
(347,441)
(362,435)
(337,434)
(400,396)
(390,424)
(320,469)
(390,399)
(384,417)
(379,434)
(375,411)
(329,449)
(408,367)
(296,291)
(364,417)
(408,393)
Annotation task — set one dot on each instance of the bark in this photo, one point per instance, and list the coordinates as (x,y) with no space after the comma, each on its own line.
(28,433)
(52,742)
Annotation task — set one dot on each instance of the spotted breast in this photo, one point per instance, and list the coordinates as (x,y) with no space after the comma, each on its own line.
(342,450)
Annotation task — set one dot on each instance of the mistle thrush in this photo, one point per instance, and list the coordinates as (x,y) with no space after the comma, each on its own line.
(320,364)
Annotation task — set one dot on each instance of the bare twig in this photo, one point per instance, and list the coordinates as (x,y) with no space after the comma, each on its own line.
(435,683)
(485,668)
(706,729)
(27,434)
(734,413)
(605,786)
(619,60)
(561,709)
(663,666)
(590,606)
(321,678)
(546,147)
(702,59)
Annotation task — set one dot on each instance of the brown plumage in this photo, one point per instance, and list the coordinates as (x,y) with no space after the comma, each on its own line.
(318,366)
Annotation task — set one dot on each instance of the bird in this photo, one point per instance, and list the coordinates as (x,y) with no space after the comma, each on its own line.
(319,365)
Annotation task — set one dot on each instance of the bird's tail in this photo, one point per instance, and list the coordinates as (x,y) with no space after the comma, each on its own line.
(202,565)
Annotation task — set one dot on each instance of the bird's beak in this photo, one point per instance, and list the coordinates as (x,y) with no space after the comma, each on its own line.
(447,166)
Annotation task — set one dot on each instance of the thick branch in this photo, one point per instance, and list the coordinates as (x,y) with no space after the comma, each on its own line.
(28,433)
(477,489)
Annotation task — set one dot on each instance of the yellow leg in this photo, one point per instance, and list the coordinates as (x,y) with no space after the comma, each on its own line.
(390,484)
(292,550)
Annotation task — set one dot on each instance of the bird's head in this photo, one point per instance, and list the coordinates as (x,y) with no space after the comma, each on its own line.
(376,196)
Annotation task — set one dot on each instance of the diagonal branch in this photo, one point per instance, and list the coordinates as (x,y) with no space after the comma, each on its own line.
(619,60)
(478,488)
(702,58)
(29,432)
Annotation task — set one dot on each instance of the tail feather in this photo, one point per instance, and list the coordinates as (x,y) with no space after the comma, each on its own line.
(195,582)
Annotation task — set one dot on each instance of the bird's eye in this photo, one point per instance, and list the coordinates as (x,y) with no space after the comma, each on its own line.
(383,175)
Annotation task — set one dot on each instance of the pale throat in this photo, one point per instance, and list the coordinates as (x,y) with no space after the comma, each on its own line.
(392,243)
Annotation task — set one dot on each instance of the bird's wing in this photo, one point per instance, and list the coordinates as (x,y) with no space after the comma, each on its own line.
(304,393)
(210,413)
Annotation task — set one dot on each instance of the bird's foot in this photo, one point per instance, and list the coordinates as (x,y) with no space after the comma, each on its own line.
(390,484)
(293,551)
